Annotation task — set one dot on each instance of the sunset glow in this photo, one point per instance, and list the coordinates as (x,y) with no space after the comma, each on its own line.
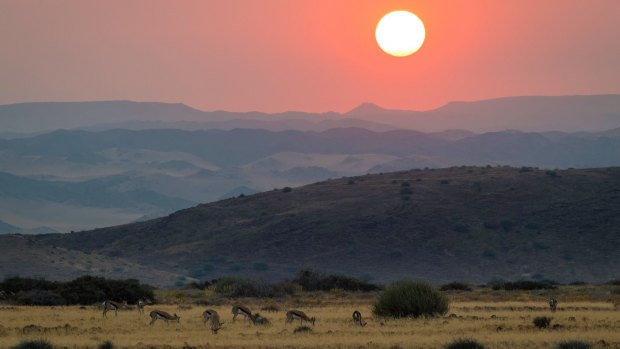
(400,33)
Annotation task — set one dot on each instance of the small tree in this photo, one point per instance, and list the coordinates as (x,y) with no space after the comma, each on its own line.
(541,322)
(410,299)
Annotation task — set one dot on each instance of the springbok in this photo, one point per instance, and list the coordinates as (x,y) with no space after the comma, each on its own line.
(208,314)
(162,315)
(298,314)
(553,304)
(140,306)
(216,325)
(357,319)
(111,305)
(244,311)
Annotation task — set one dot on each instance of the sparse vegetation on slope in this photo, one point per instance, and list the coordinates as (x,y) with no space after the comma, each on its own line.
(519,225)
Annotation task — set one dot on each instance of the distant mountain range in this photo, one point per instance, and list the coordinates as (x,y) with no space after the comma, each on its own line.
(533,114)
(471,224)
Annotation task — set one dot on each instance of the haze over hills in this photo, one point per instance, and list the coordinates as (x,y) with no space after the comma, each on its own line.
(61,180)
(529,113)
(467,223)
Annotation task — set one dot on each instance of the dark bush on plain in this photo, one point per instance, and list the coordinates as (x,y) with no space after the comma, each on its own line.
(310,280)
(287,189)
(236,287)
(614,282)
(524,285)
(410,299)
(39,297)
(34,344)
(541,321)
(302,329)
(106,345)
(464,344)
(83,290)
(573,345)
(455,286)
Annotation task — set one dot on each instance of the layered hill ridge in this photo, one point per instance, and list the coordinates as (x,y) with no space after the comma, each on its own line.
(527,113)
(467,223)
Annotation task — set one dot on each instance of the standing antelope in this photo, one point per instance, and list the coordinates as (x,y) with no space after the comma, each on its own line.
(162,315)
(298,314)
(216,325)
(208,315)
(553,304)
(141,306)
(244,311)
(357,319)
(111,305)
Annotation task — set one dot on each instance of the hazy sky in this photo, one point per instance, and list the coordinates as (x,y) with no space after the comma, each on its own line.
(310,55)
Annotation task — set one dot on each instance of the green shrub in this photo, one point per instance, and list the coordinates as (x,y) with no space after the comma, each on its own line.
(464,344)
(287,189)
(410,299)
(541,321)
(573,345)
(310,280)
(34,344)
(455,286)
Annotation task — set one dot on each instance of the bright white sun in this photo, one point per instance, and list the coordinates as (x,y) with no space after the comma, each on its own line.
(400,33)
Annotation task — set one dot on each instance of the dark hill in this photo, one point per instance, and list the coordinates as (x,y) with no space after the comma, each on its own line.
(467,223)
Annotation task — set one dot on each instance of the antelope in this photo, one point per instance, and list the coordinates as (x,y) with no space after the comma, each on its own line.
(162,315)
(298,314)
(111,305)
(208,315)
(216,325)
(553,304)
(244,311)
(357,319)
(141,306)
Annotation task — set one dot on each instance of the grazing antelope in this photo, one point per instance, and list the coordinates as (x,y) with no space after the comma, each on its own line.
(216,325)
(244,311)
(111,305)
(141,306)
(208,315)
(298,314)
(162,315)
(553,304)
(357,319)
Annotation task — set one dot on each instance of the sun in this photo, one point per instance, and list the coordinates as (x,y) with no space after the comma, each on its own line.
(400,33)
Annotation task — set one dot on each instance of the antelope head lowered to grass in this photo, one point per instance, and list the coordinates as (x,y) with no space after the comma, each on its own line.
(216,325)
(208,314)
(300,315)
(357,319)
(162,315)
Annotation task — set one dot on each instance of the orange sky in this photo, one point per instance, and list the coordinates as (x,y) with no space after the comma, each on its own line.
(314,55)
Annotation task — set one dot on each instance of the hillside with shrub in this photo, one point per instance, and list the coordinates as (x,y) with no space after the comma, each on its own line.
(472,224)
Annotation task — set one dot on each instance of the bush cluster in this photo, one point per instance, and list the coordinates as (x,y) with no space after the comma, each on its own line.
(236,287)
(83,290)
(573,345)
(455,286)
(524,285)
(410,299)
(541,321)
(464,344)
(310,280)
(34,344)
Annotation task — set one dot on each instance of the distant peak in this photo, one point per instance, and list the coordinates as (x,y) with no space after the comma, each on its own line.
(366,108)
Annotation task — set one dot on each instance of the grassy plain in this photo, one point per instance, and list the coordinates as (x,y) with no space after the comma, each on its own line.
(495,318)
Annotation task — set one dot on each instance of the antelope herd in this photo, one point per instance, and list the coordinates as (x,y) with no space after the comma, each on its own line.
(212,316)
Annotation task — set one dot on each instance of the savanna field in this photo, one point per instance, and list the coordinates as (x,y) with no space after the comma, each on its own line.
(494,318)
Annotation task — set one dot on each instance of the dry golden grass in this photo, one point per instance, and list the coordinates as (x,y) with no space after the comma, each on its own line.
(495,324)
